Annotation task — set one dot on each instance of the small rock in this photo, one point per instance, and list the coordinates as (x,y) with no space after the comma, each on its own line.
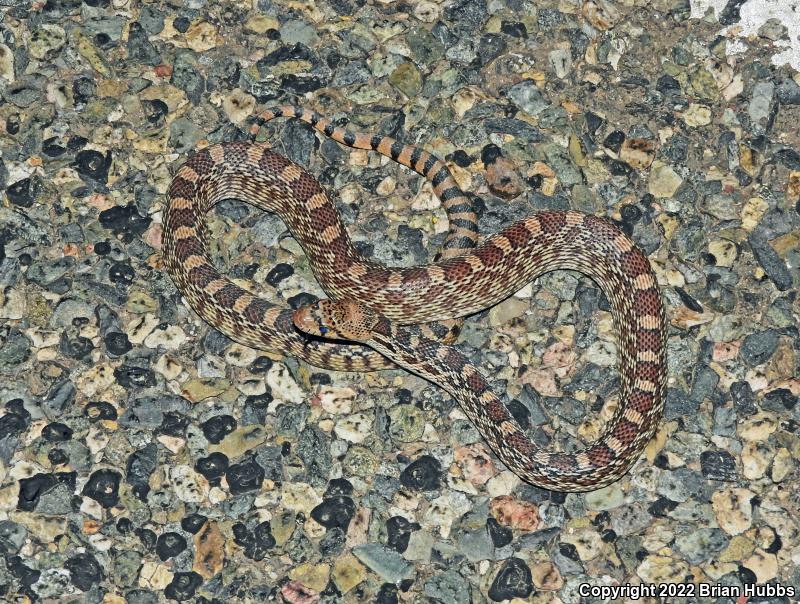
(663,181)
(697,115)
(607,498)
(515,514)
(386,563)
(733,509)
(514,580)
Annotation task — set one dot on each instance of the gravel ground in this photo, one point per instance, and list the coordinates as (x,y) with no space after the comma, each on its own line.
(145,458)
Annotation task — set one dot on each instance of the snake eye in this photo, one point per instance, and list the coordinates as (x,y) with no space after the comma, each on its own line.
(323,330)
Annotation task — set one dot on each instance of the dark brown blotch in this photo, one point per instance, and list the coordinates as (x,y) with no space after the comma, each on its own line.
(634,263)
(305,186)
(228,295)
(517,235)
(600,454)
(641,401)
(203,275)
(490,255)
(649,339)
(185,248)
(647,302)
(201,162)
(177,218)
(625,431)
(552,222)
(256,310)
(456,269)
(181,187)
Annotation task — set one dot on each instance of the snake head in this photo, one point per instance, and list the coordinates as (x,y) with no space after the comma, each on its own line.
(342,320)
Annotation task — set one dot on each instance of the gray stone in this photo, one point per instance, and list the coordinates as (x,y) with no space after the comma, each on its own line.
(385,562)
(758,347)
(773,265)
(527,96)
(448,587)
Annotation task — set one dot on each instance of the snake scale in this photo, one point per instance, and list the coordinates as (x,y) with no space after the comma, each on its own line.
(382,307)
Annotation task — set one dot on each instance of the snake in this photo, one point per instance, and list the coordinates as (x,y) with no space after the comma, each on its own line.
(382,308)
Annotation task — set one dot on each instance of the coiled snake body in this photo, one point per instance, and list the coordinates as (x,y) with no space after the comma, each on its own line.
(375,300)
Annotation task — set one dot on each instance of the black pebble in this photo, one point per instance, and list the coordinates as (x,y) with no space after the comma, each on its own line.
(183,586)
(30,489)
(169,545)
(614,141)
(121,272)
(13,123)
(212,467)
(52,148)
(718,465)
(256,543)
(278,273)
(130,376)
(489,154)
(387,594)
(461,158)
(147,537)
(593,122)
(668,85)
(124,221)
(398,531)
(57,456)
(513,581)
(261,365)
(744,401)
(569,551)
(103,487)
(26,576)
(630,213)
(747,576)
(515,29)
(218,427)
(520,413)
(422,475)
(335,512)
(661,507)
(338,487)
(779,400)
(84,571)
(56,432)
(99,410)
(244,477)
(24,192)
(181,24)
(301,299)
(500,535)
(193,523)
(93,164)
(16,419)
(124,525)
(101,248)
(174,424)
(155,110)
(117,343)
(320,379)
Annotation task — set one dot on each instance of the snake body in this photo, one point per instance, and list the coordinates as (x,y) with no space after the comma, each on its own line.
(462,282)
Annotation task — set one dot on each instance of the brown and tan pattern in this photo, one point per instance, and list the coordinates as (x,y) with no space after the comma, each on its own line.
(463,281)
